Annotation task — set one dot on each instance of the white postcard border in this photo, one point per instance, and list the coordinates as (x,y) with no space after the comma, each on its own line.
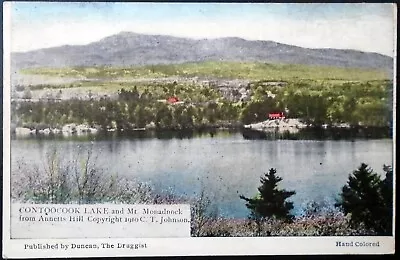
(15,248)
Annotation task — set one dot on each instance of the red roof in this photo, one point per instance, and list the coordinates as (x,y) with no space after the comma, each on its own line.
(172,99)
(275,115)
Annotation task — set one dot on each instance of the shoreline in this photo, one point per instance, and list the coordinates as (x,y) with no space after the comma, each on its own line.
(277,126)
(306,133)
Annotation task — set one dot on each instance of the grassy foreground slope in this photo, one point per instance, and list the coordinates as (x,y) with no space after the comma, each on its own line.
(226,70)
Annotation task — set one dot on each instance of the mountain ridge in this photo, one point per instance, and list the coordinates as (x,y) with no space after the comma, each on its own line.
(130,49)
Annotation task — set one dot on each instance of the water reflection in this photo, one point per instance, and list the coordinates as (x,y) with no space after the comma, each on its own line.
(320,134)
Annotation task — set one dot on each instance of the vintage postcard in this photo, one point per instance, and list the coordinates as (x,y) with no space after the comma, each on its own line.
(169,129)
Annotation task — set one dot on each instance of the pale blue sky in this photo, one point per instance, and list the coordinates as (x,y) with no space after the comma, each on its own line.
(353,26)
(36,11)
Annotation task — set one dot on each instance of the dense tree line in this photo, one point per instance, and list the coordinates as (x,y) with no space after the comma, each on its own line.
(355,103)
(129,111)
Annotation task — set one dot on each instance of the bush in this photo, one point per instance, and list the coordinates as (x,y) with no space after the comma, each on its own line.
(48,185)
(79,180)
(335,225)
(203,215)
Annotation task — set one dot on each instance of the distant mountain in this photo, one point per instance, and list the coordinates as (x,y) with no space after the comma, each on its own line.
(127,48)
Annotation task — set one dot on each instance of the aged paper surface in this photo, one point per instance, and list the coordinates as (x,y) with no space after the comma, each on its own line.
(146,129)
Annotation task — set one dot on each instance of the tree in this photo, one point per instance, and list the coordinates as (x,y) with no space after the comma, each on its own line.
(164,117)
(270,202)
(140,117)
(256,111)
(387,193)
(368,199)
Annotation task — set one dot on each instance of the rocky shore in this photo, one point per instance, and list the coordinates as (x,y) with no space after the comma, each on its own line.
(65,130)
(83,129)
(291,125)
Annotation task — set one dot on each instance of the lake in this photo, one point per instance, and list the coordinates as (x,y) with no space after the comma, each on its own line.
(224,164)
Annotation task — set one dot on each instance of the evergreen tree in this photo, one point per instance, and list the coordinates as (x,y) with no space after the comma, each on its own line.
(270,201)
(163,117)
(387,193)
(368,199)
(140,116)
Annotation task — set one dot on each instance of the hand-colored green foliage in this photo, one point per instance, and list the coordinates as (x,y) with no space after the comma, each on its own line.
(232,70)
(356,103)
(369,199)
(316,94)
(270,201)
(133,109)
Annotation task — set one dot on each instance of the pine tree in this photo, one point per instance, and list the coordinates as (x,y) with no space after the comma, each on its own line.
(270,201)
(387,193)
(368,199)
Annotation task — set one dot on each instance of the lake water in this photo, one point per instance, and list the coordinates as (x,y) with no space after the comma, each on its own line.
(224,164)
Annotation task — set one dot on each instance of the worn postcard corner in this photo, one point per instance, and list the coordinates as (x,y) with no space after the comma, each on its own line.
(147,129)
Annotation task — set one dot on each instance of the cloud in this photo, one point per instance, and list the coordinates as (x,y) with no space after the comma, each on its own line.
(365,33)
